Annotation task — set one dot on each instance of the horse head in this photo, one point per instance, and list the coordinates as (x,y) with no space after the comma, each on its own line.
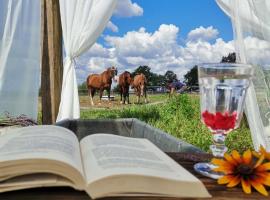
(112,71)
(128,78)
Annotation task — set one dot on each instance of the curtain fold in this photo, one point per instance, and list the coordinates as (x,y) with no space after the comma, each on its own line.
(251,23)
(19,57)
(82,23)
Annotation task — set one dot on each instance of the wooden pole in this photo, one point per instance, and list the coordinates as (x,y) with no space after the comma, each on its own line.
(52,65)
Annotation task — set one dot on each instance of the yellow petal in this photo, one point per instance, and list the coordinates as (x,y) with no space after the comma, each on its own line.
(264,152)
(256,154)
(236,156)
(217,161)
(267,181)
(259,187)
(225,179)
(265,178)
(230,159)
(259,162)
(235,181)
(263,167)
(246,186)
(247,156)
(267,156)
(225,170)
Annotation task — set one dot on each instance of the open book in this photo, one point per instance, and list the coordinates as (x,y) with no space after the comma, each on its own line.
(101,164)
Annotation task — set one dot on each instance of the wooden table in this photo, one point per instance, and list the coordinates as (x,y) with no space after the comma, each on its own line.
(186,160)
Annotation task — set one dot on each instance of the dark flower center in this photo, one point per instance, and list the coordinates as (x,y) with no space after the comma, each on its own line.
(245,169)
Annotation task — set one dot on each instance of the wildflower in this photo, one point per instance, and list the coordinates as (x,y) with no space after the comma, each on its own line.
(246,170)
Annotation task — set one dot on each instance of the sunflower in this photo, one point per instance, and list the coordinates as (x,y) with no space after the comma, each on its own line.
(247,170)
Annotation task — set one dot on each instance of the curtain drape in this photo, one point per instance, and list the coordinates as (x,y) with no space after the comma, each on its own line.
(82,22)
(19,57)
(251,23)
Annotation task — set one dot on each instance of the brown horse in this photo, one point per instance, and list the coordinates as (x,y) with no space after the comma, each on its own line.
(100,82)
(124,82)
(139,85)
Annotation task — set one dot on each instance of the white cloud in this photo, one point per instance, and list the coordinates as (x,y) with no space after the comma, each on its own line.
(144,44)
(112,27)
(125,8)
(258,51)
(202,33)
(161,51)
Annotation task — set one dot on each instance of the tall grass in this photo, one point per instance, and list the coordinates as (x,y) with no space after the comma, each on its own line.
(180,117)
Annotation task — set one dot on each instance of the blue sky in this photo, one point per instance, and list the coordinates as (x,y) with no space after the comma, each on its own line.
(186,14)
(163,34)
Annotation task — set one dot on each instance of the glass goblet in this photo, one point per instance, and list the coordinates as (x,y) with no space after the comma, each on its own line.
(223,88)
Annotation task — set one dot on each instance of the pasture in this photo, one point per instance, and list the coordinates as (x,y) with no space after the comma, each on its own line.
(178,116)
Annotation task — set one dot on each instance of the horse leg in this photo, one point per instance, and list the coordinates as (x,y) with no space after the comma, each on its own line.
(100,94)
(91,92)
(124,94)
(121,95)
(109,94)
(142,90)
(126,99)
(128,95)
(139,96)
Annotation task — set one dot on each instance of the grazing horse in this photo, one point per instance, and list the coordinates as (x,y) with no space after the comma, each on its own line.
(124,82)
(100,82)
(139,85)
(177,85)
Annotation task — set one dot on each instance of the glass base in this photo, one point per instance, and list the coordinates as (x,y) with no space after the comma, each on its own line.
(206,169)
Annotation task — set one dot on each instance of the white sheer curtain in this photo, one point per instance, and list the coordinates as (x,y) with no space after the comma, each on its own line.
(82,22)
(251,22)
(19,57)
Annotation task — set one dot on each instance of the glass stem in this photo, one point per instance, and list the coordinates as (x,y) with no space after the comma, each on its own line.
(218,148)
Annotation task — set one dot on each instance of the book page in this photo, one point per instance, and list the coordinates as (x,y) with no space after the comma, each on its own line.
(41,142)
(109,155)
(33,181)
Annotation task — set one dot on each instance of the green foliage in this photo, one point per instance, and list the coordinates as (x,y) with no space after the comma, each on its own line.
(153,79)
(231,58)
(180,117)
(157,80)
(82,88)
(144,70)
(191,77)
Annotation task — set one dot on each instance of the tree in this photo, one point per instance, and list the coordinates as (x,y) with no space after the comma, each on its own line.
(82,88)
(231,58)
(154,79)
(170,76)
(191,77)
(150,77)
(144,70)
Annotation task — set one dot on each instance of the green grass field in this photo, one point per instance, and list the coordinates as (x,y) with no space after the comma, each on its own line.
(179,116)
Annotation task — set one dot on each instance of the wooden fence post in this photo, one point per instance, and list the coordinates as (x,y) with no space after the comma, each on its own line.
(51,58)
